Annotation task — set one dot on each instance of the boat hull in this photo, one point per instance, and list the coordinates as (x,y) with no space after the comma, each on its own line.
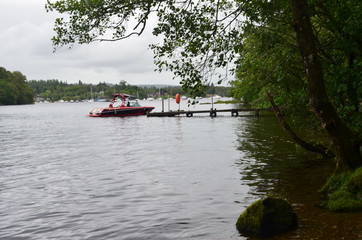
(119,112)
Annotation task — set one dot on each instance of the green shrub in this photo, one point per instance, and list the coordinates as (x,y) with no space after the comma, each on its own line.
(344,201)
(335,183)
(355,181)
(345,191)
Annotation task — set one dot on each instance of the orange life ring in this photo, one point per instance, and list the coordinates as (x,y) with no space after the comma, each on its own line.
(178,98)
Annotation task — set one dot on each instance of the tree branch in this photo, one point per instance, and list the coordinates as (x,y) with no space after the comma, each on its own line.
(317,148)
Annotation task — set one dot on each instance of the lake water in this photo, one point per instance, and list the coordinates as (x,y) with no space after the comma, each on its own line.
(64,175)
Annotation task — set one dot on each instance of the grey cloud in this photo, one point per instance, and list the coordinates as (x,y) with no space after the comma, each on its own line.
(25,33)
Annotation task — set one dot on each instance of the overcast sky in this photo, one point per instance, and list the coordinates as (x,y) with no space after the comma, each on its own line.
(25,45)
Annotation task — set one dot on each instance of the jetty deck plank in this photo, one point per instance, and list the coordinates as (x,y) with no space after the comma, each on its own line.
(212,112)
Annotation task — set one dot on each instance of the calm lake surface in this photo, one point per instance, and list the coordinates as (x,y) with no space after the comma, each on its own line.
(64,175)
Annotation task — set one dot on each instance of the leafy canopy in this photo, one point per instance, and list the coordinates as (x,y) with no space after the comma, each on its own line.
(271,62)
(198,36)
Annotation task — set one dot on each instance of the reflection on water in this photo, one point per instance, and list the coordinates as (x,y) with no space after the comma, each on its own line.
(64,175)
(267,153)
(274,165)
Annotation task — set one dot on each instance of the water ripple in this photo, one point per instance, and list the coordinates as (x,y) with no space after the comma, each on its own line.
(67,176)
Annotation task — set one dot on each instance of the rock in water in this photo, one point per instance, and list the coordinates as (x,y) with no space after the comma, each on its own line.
(267,217)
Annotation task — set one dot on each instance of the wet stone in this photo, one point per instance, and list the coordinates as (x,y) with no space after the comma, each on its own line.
(267,217)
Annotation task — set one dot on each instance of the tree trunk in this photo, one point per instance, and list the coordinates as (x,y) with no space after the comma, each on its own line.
(346,143)
(327,153)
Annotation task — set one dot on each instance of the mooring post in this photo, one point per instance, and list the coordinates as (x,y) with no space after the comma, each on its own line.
(168,103)
(212,102)
(213,112)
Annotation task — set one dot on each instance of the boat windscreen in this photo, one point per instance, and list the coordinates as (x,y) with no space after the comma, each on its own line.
(134,104)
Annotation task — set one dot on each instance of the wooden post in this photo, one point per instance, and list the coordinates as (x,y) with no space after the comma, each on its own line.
(168,103)
(163,105)
(257,112)
(212,102)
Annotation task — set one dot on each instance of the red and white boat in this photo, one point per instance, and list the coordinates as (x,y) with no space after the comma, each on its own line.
(126,108)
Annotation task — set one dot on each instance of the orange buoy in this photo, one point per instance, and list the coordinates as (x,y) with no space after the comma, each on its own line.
(178,98)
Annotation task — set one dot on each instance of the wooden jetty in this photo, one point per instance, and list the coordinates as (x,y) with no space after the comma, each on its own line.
(212,112)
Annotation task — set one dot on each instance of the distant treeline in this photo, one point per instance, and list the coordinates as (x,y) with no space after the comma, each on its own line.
(55,90)
(14,89)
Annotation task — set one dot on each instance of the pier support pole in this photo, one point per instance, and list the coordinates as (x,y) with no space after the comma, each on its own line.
(168,103)
(212,102)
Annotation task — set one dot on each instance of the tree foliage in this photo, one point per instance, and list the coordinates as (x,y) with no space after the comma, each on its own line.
(271,60)
(55,90)
(196,35)
(14,88)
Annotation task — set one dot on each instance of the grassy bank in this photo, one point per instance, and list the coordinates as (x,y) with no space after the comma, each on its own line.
(344,191)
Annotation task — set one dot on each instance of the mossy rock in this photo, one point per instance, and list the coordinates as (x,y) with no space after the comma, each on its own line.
(267,217)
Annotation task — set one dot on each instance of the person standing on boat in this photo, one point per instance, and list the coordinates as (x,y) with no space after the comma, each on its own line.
(113,100)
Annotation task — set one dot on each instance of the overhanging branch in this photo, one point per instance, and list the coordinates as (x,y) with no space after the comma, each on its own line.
(312,147)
